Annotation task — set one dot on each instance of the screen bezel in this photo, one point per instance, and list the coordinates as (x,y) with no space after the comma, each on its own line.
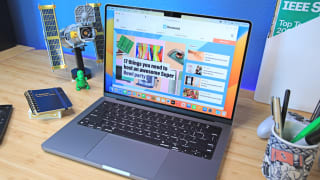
(164,106)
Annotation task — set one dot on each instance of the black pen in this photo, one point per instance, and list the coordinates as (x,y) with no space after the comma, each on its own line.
(316,112)
(313,138)
(285,107)
(272,107)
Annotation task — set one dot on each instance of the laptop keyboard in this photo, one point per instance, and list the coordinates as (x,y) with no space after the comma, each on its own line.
(170,132)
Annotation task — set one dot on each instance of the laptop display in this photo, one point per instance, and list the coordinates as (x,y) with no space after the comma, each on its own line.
(171,83)
(180,60)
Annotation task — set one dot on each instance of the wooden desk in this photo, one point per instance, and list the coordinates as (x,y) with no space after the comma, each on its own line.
(21,156)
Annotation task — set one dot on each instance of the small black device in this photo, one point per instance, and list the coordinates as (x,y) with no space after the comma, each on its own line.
(5,114)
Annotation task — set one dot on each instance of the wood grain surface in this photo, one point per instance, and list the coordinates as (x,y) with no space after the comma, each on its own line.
(21,156)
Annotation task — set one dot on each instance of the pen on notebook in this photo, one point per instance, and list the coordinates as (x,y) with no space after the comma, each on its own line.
(314,125)
(316,112)
(285,107)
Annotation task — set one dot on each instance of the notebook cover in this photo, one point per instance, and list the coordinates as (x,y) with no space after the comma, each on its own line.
(46,100)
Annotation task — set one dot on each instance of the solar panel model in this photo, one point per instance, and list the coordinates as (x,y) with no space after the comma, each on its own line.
(88,28)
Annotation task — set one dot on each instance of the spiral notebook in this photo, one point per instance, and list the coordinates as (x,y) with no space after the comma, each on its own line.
(47,100)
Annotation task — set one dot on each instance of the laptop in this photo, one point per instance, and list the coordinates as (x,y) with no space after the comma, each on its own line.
(170,89)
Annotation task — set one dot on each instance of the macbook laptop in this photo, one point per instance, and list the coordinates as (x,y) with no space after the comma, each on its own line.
(170,89)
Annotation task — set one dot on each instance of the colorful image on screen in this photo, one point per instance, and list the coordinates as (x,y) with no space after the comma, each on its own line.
(149,52)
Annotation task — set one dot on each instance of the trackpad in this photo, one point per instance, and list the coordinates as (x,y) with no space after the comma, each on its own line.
(136,158)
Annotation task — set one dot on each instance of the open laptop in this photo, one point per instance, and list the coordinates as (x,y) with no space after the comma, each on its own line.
(170,89)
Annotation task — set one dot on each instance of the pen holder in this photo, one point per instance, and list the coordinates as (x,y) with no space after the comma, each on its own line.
(285,160)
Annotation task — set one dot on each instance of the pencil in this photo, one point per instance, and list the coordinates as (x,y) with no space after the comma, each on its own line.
(307,130)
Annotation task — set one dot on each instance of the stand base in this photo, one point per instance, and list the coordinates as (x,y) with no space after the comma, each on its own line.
(86,74)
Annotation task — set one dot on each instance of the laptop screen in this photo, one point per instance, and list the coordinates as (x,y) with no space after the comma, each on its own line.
(182,60)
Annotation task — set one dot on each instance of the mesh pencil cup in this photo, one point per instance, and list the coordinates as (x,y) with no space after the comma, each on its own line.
(285,160)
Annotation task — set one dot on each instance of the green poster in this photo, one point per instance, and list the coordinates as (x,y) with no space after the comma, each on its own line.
(292,13)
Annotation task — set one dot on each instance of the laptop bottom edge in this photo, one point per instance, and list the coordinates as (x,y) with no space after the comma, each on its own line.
(83,144)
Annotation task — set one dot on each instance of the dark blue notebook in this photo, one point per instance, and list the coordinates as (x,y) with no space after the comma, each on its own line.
(46,100)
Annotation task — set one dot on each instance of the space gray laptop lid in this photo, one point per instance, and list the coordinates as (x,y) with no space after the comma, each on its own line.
(180,62)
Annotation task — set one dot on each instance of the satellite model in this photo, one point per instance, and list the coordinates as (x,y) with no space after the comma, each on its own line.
(88,28)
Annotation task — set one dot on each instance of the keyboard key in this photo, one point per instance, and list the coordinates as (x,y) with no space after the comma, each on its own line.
(107,129)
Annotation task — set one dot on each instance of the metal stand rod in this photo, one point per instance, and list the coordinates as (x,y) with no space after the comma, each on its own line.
(80,66)
(79,59)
